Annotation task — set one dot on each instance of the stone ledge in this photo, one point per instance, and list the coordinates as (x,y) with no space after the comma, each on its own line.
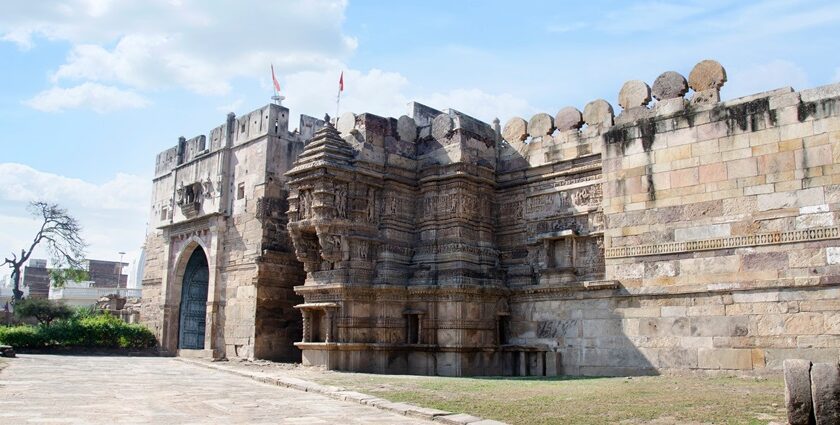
(758,239)
(338,393)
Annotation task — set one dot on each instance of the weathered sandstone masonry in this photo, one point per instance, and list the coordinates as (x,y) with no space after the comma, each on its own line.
(687,234)
(224,196)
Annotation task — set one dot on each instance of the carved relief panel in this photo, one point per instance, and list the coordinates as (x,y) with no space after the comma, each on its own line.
(568,201)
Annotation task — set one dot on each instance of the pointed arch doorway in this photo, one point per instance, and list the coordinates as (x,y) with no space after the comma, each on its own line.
(193,309)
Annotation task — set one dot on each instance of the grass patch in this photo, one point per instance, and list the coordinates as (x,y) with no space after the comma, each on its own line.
(662,399)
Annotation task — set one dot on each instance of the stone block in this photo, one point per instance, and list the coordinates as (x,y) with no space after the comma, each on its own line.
(731,155)
(665,326)
(673,153)
(678,358)
(710,265)
(825,392)
(661,269)
(706,310)
(777,200)
(764,261)
(684,177)
(832,255)
(798,391)
(796,131)
(724,358)
(674,311)
(804,324)
(713,172)
(810,221)
(742,168)
(702,232)
(719,326)
(815,156)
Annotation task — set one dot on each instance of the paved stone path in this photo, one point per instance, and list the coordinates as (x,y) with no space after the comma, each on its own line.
(153,390)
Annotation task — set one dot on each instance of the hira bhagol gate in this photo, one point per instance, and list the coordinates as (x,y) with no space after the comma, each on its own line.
(681,234)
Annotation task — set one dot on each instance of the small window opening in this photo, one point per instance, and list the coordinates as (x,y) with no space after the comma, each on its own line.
(164,213)
(413,328)
(240,191)
(243,128)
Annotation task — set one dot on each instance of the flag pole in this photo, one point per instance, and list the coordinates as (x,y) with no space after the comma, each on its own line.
(338,96)
(278,100)
(337,102)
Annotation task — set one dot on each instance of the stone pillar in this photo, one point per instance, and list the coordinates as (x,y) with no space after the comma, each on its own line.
(307,324)
(539,363)
(330,316)
(523,363)
(825,392)
(798,391)
(552,363)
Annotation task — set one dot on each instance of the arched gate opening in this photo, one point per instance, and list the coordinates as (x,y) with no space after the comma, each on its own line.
(193,311)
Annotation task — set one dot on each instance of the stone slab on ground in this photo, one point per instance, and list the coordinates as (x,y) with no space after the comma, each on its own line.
(458,419)
(7,351)
(405,409)
(132,390)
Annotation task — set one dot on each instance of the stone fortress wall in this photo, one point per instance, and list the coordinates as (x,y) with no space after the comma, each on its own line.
(685,235)
(719,233)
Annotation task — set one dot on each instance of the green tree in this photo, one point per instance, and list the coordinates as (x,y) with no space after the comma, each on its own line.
(45,311)
(62,234)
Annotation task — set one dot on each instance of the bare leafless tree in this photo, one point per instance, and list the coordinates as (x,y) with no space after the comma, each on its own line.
(62,234)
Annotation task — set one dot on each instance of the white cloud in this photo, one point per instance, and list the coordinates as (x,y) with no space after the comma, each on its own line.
(200,46)
(375,91)
(123,192)
(762,77)
(232,106)
(113,214)
(481,105)
(388,94)
(97,97)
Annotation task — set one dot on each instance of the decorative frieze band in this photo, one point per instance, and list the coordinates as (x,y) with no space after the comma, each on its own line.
(774,238)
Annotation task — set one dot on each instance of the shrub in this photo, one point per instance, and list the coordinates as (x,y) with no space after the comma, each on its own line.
(81,330)
(45,311)
(23,336)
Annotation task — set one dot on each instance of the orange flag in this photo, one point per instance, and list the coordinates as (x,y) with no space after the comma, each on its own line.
(274,79)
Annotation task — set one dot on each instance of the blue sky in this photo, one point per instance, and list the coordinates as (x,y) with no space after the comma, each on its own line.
(93,89)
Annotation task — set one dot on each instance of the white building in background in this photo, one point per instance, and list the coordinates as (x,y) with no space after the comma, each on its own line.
(106,278)
(83,294)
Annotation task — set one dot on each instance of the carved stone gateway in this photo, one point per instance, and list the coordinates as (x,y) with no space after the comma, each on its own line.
(194,302)
(684,234)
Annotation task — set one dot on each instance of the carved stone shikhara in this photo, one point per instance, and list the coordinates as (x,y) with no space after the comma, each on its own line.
(687,234)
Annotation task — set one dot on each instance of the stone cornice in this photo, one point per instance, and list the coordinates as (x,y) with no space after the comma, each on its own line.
(758,239)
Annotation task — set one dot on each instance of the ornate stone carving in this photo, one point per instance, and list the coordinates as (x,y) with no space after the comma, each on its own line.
(758,239)
(341,200)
